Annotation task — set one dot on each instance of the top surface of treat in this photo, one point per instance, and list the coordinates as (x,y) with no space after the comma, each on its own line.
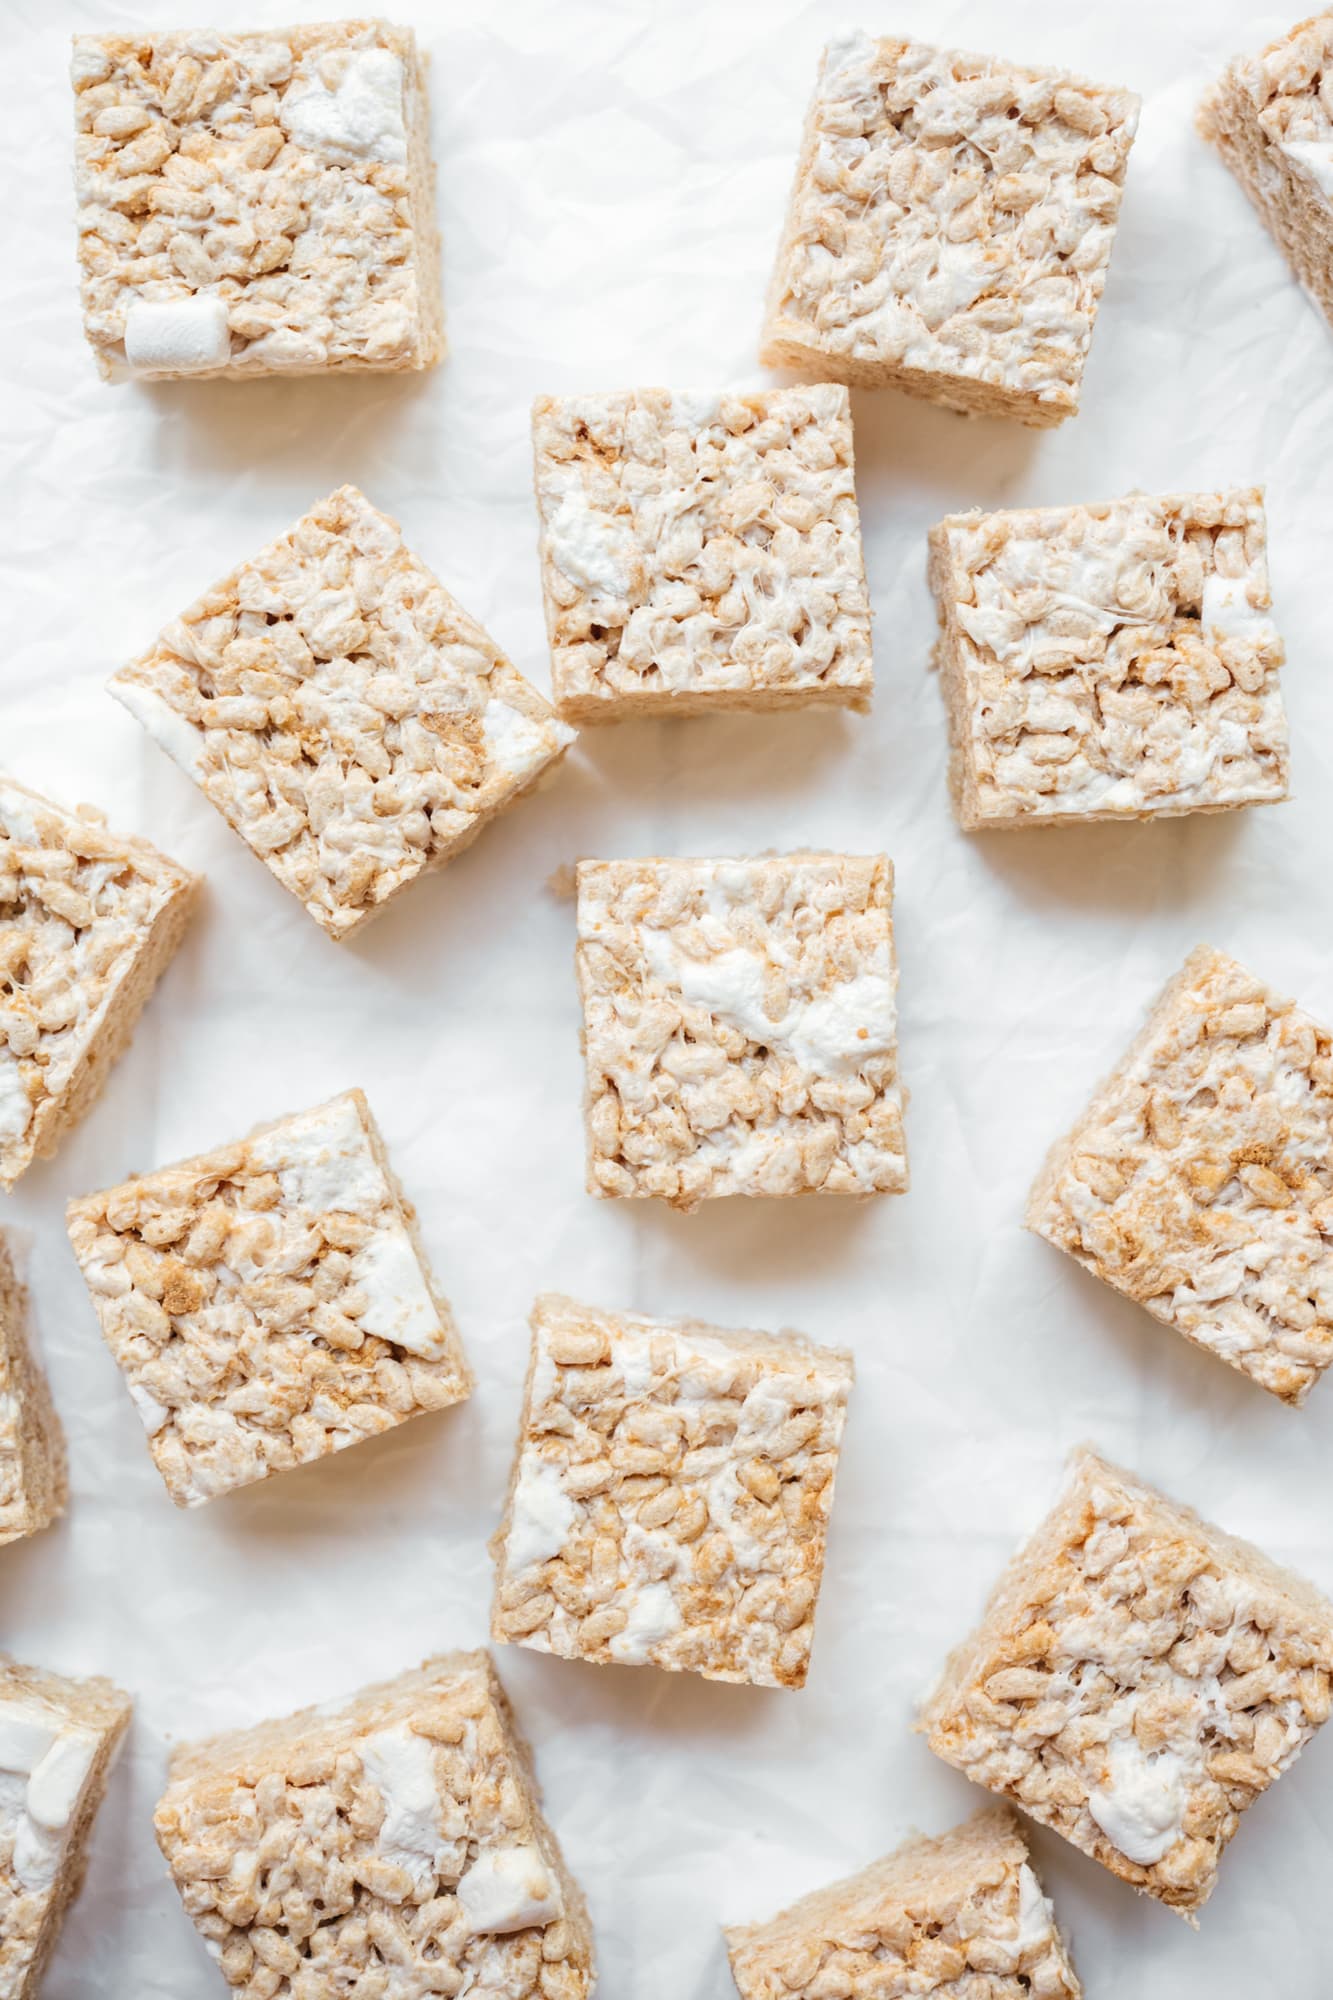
(701,544)
(672,1491)
(343,712)
(1200,1179)
(391,1844)
(76,906)
(1113,660)
(247,201)
(1139,1678)
(954,214)
(266,1301)
(740,1024)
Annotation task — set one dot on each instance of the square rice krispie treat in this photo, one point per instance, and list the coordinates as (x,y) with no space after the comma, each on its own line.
(256,204)
(670,1495)
(58,1741)
(950,227)
(1199,1181)
(1109,662)
(740,1027)
(701,552)
(1138,1679)
(34,1479)
(961,1914)
(270,1302)
(342,711)
(88,922)
(1269,117)
(390,1845)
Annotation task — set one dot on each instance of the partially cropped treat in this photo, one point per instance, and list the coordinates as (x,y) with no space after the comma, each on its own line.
(88,923)
(701,552)
(1139,1678)
(58,1741)
(269,1303)
(670,1495)
(256,204)
(950,227)
(1269,117)
(390,1845)
(962,1915)
(1109,662)
(343,713)
(1199,1181)
(740,1027)
(34,1480)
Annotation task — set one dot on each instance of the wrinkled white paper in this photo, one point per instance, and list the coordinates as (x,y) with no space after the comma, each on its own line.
(612,176)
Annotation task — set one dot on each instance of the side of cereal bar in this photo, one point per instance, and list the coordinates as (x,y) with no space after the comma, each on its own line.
(670,1495)
(34,1477)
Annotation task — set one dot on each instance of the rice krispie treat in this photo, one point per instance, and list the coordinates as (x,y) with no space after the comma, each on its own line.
(1199,1181)
(960,1915)
(343,713)
(58,1741)
(1109,662)
(270,1302)
(34,1479)
(256,204)
(950,227)
(701,552)
(670,1495)
(1138,1679)
(740,1027)
(1269,117)
(88,922)
(390,1845)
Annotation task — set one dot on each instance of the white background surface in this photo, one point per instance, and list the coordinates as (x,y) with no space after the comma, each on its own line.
(611,181)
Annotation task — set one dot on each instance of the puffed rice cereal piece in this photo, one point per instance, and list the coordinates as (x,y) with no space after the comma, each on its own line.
(343,713)
(270,1302)
(1138,1679)
(950,228)
(34,1477)
(670,1495)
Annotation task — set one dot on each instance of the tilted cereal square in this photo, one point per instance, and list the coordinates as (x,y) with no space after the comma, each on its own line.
(1199,1181)
(269,1303)
(256,204)
(58,1741)
(89,921)
(1109,662)
(957,1915)
(1270,118)
(950,227)
(1138,1679)
(343,713)
(392,1845)
(701,552)
(740,1027)
(670,1495)
(34,1479)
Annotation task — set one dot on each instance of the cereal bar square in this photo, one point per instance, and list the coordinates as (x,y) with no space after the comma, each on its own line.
(670,1495)
(950,228)
(58,1741)
(89,921)
(34,1478)
(269,1303)
(740,1027)
(1109,662)
(389,1845)
(343,713)
(1199,1181)
(1269,118)
(256,204)
(701,553)
(959,1914)
(1139,1678)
